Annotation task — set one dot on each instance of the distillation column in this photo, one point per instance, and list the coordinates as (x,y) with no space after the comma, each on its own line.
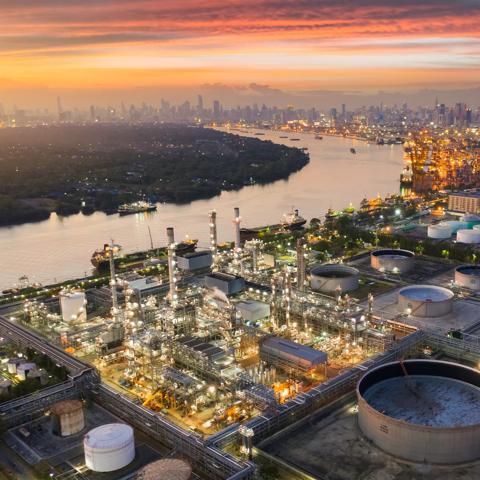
(113,282)
(213,238)
(300,265)
(172,278)
(237,248)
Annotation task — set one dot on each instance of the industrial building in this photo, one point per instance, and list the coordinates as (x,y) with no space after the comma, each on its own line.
(194,261)
(225,282)
(287,354)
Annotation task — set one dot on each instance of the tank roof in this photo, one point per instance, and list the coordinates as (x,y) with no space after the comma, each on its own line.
(111,435)
(426,293)
(65,406)
(334,270)
(393,252)
(167,468)
(469,269)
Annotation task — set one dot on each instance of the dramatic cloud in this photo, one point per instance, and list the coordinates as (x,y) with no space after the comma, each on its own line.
(282,43)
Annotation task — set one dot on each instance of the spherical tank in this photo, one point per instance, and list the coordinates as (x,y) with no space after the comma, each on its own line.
(109,447)
(439,231)
(468,276)
(73,306)
(392,260)
(328,278)
(67,417)
(425,301)
(468,236)
(424,411)
(166,469)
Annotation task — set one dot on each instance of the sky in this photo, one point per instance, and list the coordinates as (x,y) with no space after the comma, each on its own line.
(93,49)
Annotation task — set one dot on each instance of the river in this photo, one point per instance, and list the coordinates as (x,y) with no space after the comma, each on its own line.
(60,248)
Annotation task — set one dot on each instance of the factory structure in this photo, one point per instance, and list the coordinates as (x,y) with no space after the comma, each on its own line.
(237,341)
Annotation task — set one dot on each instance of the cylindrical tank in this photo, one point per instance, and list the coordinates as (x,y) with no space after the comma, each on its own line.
(468,236)
(425,300)
(165,469)
(392,260)
(470,219)
(455,225)
(439,231)
(24,369)
(109,447)
(13,364)
(424,411)
(73,306)
(328,278)
(468,276)
(67,417)
(5,385)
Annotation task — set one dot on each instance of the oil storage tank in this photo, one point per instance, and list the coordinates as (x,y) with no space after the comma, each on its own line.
(425,300)
(73,306)
(468,276)
(109,447)
(67,417)
(166,469)
(439,231)
(422,410)
(468,236)
(392,260)
(328,278)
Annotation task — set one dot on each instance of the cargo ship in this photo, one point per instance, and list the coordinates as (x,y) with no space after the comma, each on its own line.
(136,207)
(318,137)
(100,258)
(293,221)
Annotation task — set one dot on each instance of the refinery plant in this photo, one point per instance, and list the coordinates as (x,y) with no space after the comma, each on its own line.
(239,341)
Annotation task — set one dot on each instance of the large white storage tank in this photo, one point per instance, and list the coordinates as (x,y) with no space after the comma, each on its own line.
(73,306)
(425,300)
(455,225)
(468,276)
(439,231)
(109,447)
(392,260)
(468,236)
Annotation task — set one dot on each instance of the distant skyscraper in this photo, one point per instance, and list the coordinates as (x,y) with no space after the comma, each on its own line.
(216,109)
(59,108)
(200,104)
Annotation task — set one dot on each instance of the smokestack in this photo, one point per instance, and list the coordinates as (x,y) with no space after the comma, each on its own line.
(172,278)
(170,236)
(236,222)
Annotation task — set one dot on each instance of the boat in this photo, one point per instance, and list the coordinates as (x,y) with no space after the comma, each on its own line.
(292,220)
(259,133)
(318,137)
(294,139)
(283,136)
(100,258)
(352,150)
(136,207)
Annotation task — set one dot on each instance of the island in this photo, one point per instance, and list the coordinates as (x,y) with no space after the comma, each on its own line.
(68,168)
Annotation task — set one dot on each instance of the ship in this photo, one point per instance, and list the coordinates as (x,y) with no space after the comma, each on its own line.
(283,136)
(318,137)
(136,207)
(294,139)
(100,258)
(352,150)
(293,221)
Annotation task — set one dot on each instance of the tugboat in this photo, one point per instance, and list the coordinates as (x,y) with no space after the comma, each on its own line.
(293,221)
(136,207)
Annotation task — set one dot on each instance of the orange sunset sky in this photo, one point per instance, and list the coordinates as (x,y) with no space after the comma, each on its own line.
(90,46)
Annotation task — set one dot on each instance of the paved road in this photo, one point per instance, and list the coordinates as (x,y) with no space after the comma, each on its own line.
(12,467)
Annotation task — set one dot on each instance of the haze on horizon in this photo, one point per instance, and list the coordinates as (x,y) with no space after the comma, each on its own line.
(275,51)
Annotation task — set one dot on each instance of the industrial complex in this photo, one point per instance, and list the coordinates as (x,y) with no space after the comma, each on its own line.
(205,371)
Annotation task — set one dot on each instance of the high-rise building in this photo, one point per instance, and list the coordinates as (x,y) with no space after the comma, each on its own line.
(216,109)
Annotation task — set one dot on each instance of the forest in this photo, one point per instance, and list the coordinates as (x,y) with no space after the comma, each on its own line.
(72,168)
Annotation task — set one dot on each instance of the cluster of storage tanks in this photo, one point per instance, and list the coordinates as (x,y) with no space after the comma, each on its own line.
(422,410)
(467,229)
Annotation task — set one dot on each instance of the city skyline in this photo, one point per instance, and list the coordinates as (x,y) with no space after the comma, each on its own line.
(235,49)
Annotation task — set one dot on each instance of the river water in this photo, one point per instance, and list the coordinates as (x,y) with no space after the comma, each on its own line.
(60,248)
